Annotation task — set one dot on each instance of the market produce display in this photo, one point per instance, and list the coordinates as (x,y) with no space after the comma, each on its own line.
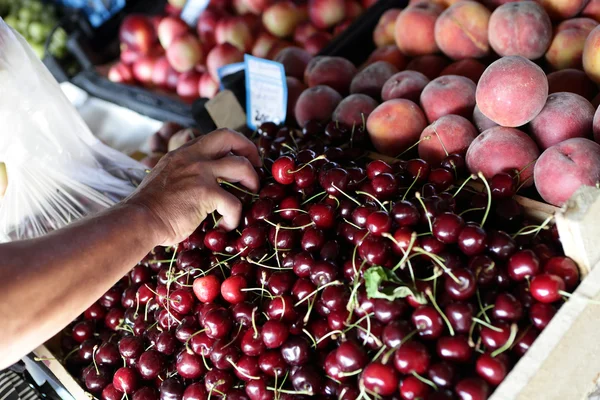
(163,52)
(35,20)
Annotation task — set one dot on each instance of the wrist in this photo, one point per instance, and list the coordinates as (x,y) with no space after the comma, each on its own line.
(140,215)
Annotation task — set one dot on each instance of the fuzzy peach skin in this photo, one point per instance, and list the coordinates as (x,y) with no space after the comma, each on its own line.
(591,55)
(449,94)
(395,125)
(520,29)
(294,60)
(430,65)
(295,89)
(415,28)
(573,81)
(469,68)
(371,79)
(383,34)
(565,116)
(354,110)
(461,31)
(390,54)
(512,91)
(481,122)
(336,72)
(596,125)
(451,134)
(592,10)
(404,85)
(316,103)
(501,149)
(567,45)
(565,167)
(562,9)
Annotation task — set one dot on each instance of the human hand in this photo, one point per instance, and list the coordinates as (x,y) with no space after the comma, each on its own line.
(182,190)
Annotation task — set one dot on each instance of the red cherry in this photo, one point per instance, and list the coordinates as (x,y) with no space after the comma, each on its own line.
(412,357)
(523,264)
(231,289)
(492,369)
(541,314)
(207,288)
(565,268)
(380,379)
(282,170)
(547,288)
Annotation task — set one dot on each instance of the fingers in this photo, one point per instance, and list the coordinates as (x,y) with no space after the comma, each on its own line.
(230,208)
(236,169)
(221,142)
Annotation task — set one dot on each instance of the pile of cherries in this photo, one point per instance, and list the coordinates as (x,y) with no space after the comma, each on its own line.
(347,279)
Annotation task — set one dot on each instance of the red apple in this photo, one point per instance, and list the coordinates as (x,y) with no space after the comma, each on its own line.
(257,7)
(143,68)
(207,87)
(187,87)
(207,25)
(169,29)
(162,73)
(236,31)
(184,53)
(137,32)
(326,13)
(281,19)
(264,43)
(120,73)
(220,55)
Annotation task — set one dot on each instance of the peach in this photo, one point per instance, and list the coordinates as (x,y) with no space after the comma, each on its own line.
(326,13)
(567,45)
(354,110)
(395,125)
(591,55)
(451,134)
(187,86)
(390,54)
(572,80)
(207,25)
(263,44)
(160,72)
(120,73)
(295,88)
(520,29)
(143,69)
(316,42)
(565,116)
(336,72)
(303,31)
(221,55)
(316,103)
(596,126)
(353,10)
(462,30)
(236,31)
(565,167)
(415,26)
(281,19)
(512,91)
(404,85)
(469,68)
(449,94)
(257,7)
(383,34)
(501,149)
(563,9)
(481,122)
(207,86)
(592,10)
(430,65)
(184,53)
(294,60)
(277,47)
(493,4)
(370,80)
(169,28)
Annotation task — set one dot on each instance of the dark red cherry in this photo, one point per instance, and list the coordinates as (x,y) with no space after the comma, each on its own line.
(283,170)
(405,213)
(412,388)
(492,369)
(189,365)
(472,240)
(472,389)
(350,356)
(125,380)
(461,288)
(274,334)
(541,314)
(379,222)
(380,379)
(547,288)
(447,227)
(442,373)
(507,308)
(454,349)
(523,264)
(412,357)
(494,339)
(565,268)
(385,186)
(272,363)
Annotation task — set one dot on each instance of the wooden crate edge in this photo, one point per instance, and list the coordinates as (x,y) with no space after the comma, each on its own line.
(61,374)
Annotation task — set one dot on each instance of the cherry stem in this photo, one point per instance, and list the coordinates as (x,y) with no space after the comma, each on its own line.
(332,283)
(571,295)
(524,183)
(260,289)
(439,261)
(424,380)
(311,198)
(226,183)
(291,209)
(285,391)
(242,372)
(329,334)
(506,346)
(352,224)
(321,157)
(483,309)
(379,353)
(463,184)
(530,229)
(413,238)
(412,184)
(352,373)
(489,197)
(311,337)
(250,261)
(372,197)
(94,350)
(288,227)
(418,196)
(391,351)
(468,210)
(69,354)
(486,324)
(346,194)
(412,146)
(437,272)
(439,310)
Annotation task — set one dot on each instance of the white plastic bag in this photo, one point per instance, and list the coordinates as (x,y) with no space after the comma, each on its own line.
(57,170)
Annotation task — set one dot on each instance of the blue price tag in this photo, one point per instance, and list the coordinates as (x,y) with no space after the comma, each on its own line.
(192,10)
(229,69)
(266,91)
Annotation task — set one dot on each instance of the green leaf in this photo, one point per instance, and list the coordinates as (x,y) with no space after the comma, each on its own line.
(375,276)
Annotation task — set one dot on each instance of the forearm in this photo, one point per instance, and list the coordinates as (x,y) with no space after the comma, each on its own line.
(47,282)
